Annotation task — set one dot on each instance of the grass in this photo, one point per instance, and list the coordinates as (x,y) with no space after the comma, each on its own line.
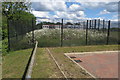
(17,43)
(14,63)
(85,48)
(44,66)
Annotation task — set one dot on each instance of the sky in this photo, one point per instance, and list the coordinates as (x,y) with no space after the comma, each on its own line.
(75,10)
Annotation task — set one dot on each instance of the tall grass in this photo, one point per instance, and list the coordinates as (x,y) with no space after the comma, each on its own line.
(72,37)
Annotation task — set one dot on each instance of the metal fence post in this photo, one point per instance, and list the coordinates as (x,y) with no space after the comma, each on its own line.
(98,24)
(103,25)
(95,24)
(22,31)
(90,24)
(62,34)
(108,33)
(33,30)
(15,27)
(86,32)
(8,34)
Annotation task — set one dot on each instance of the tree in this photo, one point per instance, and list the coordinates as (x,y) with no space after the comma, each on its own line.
(48,23)
(77,23)
(39,26)
(16,11)
(58,23)
(11,8)
(69,23)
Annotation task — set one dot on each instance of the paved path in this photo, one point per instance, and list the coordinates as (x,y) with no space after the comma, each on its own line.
(99,65)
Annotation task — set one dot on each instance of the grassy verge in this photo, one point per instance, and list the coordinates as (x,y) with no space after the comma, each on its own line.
(14,63)
(44,66)
(71,69)
(85,48)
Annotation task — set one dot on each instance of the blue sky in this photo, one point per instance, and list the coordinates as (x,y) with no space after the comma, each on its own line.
(76,10)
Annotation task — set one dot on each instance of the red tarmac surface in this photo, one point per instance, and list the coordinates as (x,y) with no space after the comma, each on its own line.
(99,65)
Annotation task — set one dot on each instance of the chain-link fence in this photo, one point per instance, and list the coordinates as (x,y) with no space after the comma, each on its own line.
(62,33)
(66,33)
(17,34)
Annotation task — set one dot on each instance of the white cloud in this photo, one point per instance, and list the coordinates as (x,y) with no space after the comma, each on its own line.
(59,15)
(104,12)
(59,8)
(49,6)
(112,7)
(93,5)
(55,16)
(87,18)
(75,7)
(80,14)
(76,0)
(74,12)
(106,1)
(43,20)
(115,20)
(70,15)
(41,14)
(109,6)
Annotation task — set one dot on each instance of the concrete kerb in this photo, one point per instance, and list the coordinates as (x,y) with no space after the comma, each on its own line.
(29,72)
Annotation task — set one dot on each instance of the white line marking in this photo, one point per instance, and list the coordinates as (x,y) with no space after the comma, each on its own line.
(96,52)
(57,64)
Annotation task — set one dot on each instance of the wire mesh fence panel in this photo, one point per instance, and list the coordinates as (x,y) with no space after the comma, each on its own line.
(74,33)
(114,33)
(97,35)
(61,33)
(18,37)
(48,37)
(49,34)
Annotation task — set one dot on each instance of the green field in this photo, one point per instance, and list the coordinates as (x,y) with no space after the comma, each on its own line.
(14,63)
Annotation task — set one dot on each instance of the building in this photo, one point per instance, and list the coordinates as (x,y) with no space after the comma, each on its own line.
(51,26)
(59,26)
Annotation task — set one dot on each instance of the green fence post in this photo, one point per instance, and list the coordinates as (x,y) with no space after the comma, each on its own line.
(87,32)
(108,33)
(33,30)
(103,25)
(8,34)
(62,34)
